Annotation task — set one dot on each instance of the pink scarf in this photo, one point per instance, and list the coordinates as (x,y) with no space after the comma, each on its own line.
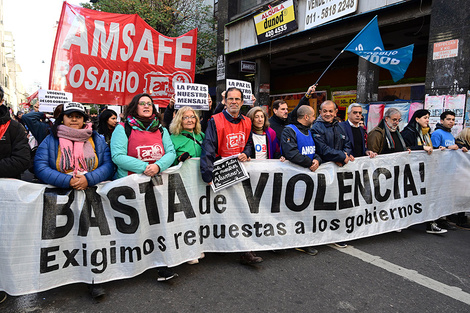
(77,152)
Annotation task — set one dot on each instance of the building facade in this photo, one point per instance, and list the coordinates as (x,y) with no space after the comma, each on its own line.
(289,58)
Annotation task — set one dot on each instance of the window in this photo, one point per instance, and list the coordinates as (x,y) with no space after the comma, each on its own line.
(244,5)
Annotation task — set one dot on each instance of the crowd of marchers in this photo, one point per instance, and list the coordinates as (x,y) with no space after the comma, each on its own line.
(76,148)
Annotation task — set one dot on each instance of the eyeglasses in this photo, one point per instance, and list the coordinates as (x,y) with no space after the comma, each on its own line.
(396,120)
(234,99)
(189,117)
(143,103)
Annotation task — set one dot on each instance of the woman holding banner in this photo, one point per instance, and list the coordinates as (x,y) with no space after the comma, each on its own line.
(141,145)
(417,136)
(187,138)
(264,137)
(74,156)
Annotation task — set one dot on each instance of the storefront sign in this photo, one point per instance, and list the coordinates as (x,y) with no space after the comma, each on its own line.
(322,11)
(220,67)
(344,98)
(276,21)
(445,49)
(247,67)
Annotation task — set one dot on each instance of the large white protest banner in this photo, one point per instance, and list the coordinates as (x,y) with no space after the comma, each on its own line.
(51,237)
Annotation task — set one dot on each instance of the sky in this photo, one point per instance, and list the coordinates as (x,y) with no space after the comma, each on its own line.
(32,23)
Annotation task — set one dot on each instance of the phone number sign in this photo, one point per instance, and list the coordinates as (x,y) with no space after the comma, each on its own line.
(276,21)
(322,11)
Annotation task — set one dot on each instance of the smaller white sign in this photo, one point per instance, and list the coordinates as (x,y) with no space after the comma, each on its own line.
(192,95)
(319,12)
(49,99)
(244,86)
(228,172)
(220,67)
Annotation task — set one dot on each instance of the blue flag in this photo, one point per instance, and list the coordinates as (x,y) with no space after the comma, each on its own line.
(368,45)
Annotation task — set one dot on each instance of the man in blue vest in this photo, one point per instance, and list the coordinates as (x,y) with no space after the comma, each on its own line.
(298,147)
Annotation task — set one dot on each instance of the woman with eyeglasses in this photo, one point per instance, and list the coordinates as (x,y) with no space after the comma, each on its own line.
(141,145)
(141,130)
(186,134)
(187,138)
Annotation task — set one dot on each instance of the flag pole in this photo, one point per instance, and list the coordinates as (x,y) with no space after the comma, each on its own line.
(316,83)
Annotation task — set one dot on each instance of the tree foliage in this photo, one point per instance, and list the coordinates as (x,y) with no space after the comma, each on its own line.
(171,18)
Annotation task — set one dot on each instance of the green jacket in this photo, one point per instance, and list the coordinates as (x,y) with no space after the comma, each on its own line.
(184,144)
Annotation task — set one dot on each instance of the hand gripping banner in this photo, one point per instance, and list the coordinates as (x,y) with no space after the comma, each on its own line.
(107,58)
(51,237)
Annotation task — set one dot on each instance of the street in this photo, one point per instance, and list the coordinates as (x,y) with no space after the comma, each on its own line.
(410,271)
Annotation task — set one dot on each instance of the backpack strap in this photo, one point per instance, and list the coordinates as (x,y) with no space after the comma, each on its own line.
(192,138)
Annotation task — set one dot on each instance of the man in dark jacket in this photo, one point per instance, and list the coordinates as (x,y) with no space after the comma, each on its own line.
(228,133)
(298,147)
(14,148)
(355,132)
(331,140)
(281,118)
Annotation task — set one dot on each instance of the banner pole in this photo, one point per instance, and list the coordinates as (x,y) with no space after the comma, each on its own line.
(316,83)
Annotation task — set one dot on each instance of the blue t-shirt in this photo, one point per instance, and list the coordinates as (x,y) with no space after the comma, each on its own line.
(443,138)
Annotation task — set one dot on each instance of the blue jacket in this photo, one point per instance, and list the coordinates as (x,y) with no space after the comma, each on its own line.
(331,141)
(46,160)
(37,125)
(347,128)
(126,163)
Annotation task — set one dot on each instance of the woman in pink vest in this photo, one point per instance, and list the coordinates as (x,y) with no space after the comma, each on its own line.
(141,145)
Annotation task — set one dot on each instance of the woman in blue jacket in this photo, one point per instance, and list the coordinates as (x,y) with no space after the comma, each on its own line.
(74,156)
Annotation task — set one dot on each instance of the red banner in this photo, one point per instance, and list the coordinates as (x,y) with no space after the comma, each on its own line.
(107,58)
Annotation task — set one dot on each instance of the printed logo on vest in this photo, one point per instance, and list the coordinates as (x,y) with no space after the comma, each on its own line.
(308,150)
(150,153)
(236,140)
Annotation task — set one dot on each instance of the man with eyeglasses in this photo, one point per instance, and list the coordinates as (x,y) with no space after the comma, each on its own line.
(356,132)
(386,137)
(228,133)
